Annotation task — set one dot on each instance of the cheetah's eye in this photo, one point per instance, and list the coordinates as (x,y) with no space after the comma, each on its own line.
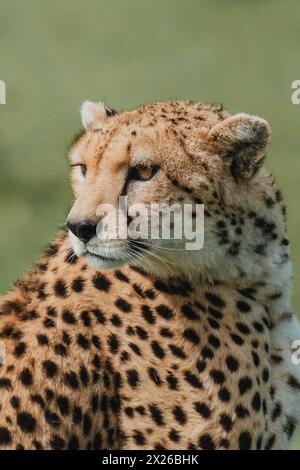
(82,167)
(143,173)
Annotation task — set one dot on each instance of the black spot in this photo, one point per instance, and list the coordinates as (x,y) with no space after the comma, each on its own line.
(15,402)
(142,334)
(77,415)
(243,306)
(139,438)
(259,327)
(60,349)
(141,410)
(213,323)
(232,363)
(153,374)
(129,411)
(49,323)
(123,305)
(86,318)
(243,328)
(276,411)
(135,348)
(121,276)
(156,415)
(214,341)
(245,441)
(177,351)
(83,341)
(224,394)
(116,320)
(60,288)
(189,313)
(38,399)
(101,282)
(84,375)
(52,419)
(245,384)
(20,349)
(97,444)
(207,353)
(255,357)
(150,294)
(96,342)
(174,435)
(237,339)
(201,365)
(172,381)
(293,382)
(113,343)
(148,315)
(78,285)
(157,350)
(192,379)
(165,312)
(206,442)
(26,422)
(57,442)
(5,436)
(259,442)
(42,340)
(138,289)
(215,299)
(63,405)
(191,336)
(99,315)
(179,415)
(217,376)
(203,410)
(87,424)
(73,443)
(290,426)
(265,374)
(69,317)
(71,380)
(26,377)
(132,377)
(50,368)
(52,250)
(226,422)
(270,442)
(66,338)
(5,383)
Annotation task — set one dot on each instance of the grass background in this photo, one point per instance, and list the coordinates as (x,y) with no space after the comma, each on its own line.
(54,54)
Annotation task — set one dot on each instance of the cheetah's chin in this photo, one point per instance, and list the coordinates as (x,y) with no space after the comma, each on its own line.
(102,262)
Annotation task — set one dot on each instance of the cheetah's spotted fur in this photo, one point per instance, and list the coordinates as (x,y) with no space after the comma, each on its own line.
(124,358)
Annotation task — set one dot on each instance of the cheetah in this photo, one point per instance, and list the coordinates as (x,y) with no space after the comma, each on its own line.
(124,344)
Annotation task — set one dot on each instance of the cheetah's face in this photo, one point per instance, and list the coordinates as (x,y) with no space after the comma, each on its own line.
(154,156)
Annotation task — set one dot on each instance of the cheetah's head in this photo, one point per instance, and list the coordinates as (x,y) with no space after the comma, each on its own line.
(183,153)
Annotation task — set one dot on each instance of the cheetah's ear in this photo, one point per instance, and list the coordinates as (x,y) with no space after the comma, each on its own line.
(92,112)
(242,140)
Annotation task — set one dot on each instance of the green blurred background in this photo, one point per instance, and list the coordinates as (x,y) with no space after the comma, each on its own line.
(55,54)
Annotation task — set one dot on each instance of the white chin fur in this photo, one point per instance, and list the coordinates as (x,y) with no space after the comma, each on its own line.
(101,263)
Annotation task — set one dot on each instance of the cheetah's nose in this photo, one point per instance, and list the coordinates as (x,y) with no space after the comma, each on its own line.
(84,229)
